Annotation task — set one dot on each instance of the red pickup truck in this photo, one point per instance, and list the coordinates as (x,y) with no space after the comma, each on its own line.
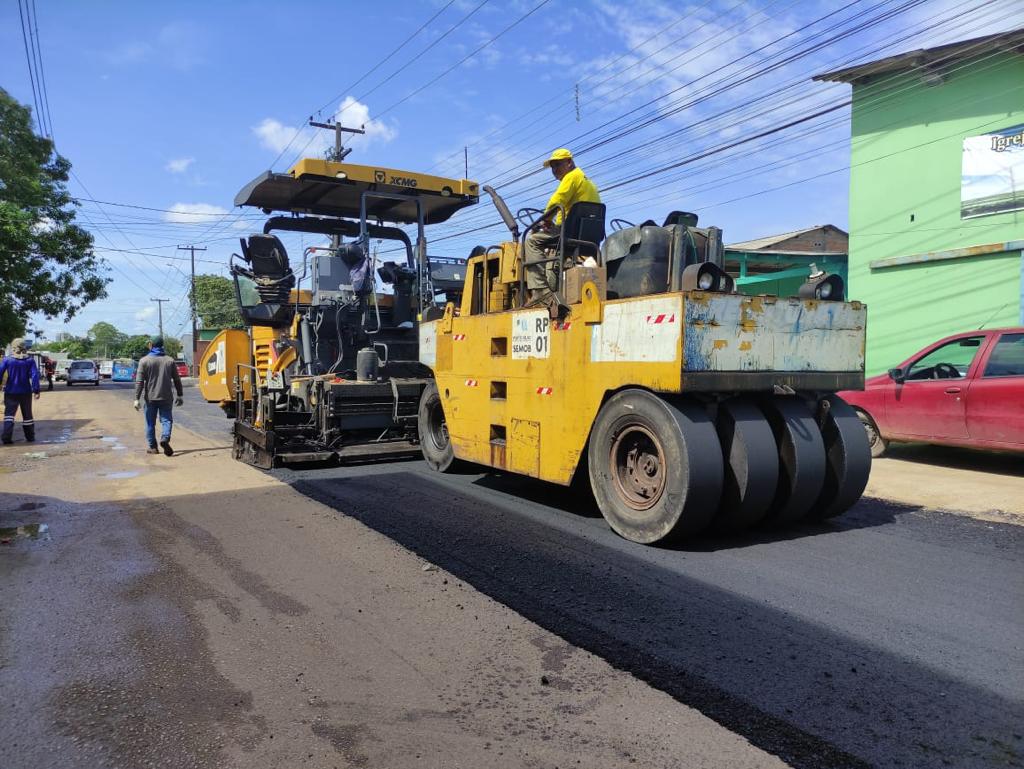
(964,390)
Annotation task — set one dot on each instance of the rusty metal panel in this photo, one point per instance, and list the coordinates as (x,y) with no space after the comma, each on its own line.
(524,447)
(729,332)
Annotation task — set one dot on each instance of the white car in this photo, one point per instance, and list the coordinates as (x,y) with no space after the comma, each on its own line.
(83,371)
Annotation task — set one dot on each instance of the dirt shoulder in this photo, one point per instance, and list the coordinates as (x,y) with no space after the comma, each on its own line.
(191,611)
(981,484)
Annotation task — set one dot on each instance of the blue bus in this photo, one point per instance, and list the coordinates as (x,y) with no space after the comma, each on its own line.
(123,370)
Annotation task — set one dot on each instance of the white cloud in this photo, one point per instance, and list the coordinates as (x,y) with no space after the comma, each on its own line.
(179,45)
(179,165)
(145,313)
(194,213)
(273,135)
(276,136)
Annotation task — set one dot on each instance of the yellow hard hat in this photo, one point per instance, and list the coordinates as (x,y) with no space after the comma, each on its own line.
(559,154)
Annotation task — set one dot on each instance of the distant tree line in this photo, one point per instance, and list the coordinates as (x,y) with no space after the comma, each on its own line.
(104,340)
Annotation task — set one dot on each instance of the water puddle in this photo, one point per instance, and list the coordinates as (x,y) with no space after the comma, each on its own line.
(116,441)
(122,474)
(32,531)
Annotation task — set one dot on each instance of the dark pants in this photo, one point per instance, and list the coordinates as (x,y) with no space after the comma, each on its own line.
(12,402)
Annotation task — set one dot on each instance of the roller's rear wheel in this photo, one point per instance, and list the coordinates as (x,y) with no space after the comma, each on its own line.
(655,466)
(751,464)
(801,453)
(847,459)
(435,443)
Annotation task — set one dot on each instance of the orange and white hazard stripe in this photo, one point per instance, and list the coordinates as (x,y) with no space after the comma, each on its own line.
(544,390)
(458,337)
(472,383)
(663,318)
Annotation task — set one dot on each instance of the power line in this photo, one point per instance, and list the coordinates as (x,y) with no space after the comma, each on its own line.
(38,49)
(31,72)
(618,155)
(375,68)
(466,58)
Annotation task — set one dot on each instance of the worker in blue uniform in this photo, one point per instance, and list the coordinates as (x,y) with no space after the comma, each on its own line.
(21,387)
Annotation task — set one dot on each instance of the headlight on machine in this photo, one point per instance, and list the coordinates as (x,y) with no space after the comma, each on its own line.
(821,285)
(707,276)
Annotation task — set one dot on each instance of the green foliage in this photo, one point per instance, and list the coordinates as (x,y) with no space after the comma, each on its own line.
(47,264)
(216,305)
(75,347)
(172,346)
(134,346)
(106,339)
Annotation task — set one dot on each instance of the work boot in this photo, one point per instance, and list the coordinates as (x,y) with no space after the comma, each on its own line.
(165,444)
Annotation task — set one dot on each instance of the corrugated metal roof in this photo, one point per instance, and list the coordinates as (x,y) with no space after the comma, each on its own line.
(929,59)
(760,244)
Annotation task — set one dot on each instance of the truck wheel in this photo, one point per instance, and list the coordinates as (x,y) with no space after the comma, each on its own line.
(876,443)
(801,458)
(847,460)
(655,466)
(435,442)
(751,464)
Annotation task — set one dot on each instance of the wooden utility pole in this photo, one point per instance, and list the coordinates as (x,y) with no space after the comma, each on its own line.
(192,300)
(339,154)
(160,310)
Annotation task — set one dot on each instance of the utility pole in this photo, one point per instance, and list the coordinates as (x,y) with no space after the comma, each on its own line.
(339,154)
(192,300)
(160,309)
(465,151)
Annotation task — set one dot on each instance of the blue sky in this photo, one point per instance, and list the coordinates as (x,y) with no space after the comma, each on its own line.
(176,106)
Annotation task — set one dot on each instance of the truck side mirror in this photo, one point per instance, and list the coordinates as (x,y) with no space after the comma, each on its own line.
(897,375)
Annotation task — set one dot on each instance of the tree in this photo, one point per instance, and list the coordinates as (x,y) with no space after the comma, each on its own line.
(134,346)
(106,339)
(216,305)
(138,345)
(47,264)
(75,347)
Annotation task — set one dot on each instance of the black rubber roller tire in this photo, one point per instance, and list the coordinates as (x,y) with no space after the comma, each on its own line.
(751,464)
(801,458)
(435,443)
(655,466)
(848,460)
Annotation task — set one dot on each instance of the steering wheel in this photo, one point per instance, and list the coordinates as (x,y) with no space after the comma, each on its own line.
(620,224)
(945,371)
(528,216)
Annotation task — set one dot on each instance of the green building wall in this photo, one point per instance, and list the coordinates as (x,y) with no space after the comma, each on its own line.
(906,154)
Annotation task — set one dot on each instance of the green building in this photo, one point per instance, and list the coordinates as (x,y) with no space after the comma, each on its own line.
(937,193)
(780,264)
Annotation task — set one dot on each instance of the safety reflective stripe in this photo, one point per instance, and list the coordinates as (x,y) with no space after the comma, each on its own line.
(9,419)
(27,421)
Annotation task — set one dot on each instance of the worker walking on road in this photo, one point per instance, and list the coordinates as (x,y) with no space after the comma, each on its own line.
(22,385)
(154,380)
(573,187)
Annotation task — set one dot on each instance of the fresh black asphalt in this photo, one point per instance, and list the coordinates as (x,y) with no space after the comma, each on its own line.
(890,637)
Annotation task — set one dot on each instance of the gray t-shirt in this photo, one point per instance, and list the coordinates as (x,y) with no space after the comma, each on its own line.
(155,377)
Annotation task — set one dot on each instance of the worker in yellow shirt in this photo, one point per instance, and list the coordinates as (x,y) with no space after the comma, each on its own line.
(573,187)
